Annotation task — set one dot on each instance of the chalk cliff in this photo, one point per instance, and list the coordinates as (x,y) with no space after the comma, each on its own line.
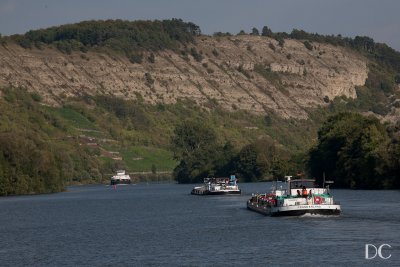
(238,72)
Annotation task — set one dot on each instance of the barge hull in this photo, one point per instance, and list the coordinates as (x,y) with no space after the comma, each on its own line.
(292,211)
(216,193)
(303,212)
(120,182)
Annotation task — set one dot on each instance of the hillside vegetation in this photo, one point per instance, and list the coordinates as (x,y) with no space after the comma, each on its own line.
(88,139)
(80,101)
(118,35)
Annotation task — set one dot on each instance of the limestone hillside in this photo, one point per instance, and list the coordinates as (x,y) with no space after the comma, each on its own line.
(238,72)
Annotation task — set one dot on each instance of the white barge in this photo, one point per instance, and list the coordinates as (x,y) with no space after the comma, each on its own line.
(218,186)
(300,197)
(120,178)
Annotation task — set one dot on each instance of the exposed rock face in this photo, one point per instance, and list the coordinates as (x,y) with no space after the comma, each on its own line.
(229,73)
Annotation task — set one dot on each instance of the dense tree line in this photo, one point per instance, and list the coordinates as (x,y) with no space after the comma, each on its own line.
(357,152)
(35,157)
(41,151)
(353,150)
(119,35)
(200,154)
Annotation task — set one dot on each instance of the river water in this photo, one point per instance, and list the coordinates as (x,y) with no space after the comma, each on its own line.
(163,225)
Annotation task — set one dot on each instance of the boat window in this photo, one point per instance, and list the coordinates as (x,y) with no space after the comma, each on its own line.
(299,184)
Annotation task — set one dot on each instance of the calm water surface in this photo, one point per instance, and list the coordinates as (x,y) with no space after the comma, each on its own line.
(162,225)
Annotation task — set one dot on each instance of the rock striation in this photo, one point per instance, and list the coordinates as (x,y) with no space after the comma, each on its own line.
(238,72)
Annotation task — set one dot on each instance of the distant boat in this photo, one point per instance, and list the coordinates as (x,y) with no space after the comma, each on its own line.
(300,197)
(120,178)
(218,186)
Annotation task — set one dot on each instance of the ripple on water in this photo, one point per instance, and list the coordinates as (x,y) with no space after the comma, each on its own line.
(162,224)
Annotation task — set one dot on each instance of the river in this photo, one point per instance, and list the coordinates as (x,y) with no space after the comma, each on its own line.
(163,225)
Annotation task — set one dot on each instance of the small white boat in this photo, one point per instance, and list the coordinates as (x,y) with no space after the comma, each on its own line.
(120,178)
(218,186)
(301,196)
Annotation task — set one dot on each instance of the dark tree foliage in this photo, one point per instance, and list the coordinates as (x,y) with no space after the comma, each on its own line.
(378,51)
(200,155)
(397,79)
(123,109)
(136,58)
(31,161)
(255,31)
(247,164)
(280,37)
(151,58)
(364,43)
(262,160)
(331,39)
(195,145)
(120,35)
(353,151)
(195,54)
(221,34)
(308,45)
(223,161)
(266,32)
(394,157)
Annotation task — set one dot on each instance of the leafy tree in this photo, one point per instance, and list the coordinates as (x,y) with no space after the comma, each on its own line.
(393,166)
(279,168)
(351,150)
(260,159)
(246,164)
(299,34)
(255,31)
(194,144)
(393,173)
(365,43)
(266,32)
(224,160)
(153,169)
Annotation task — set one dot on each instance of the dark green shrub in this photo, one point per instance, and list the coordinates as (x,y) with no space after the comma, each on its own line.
(308,45)
(136,58)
